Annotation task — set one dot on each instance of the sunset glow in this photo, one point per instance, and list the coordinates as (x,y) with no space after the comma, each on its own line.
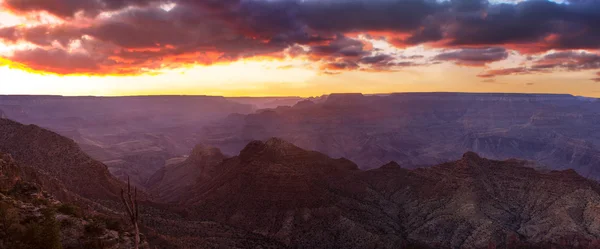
(185,47)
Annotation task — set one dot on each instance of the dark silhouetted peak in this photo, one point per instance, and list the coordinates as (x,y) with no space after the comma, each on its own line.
(279,144)
(252,148)
(274,148)
(567,174)
(471,156)
(304,104)
(201,152)
(391,165)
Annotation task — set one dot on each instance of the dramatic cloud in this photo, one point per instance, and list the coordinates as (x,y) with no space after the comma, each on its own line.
(117,34)
(474,56)
(341,46)
(340,65)
(58,61)
(566,61)
(504,71)
(569,60)
(376,59)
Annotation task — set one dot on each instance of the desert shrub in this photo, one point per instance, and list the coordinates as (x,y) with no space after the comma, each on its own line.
(113,224)
(44,234)
(40,202)
(94,244)
(94,228)
(70,209)
(65,223)
(8,215)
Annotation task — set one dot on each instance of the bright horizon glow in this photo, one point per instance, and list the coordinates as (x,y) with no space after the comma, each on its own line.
(282,75)
(268,79)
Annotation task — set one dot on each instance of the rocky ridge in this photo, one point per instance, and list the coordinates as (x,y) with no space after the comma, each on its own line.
(305,199)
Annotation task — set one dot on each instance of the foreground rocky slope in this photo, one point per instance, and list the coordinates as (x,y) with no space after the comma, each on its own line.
(418,129)
(32,218)
(304,199)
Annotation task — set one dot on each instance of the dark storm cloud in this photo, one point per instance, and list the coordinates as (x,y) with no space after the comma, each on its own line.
(362,15)
(205,31)
(473,56)
(530,26)
(341,46)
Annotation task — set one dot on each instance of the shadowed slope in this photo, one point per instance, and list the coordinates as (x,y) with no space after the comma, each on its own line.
(58,157)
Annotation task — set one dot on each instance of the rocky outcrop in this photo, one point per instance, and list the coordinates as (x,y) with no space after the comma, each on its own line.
(174,180)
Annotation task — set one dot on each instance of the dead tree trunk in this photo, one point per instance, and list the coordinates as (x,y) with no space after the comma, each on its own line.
(131,206)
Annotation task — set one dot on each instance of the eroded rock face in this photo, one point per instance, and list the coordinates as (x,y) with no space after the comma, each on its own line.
(474,201)
(308,200)
(424,129)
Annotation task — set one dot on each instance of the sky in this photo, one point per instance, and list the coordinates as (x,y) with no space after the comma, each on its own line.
(298,47)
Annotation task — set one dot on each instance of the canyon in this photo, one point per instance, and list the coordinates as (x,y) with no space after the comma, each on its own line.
(420,170)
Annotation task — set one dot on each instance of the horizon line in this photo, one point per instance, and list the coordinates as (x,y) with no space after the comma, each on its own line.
(280,96)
